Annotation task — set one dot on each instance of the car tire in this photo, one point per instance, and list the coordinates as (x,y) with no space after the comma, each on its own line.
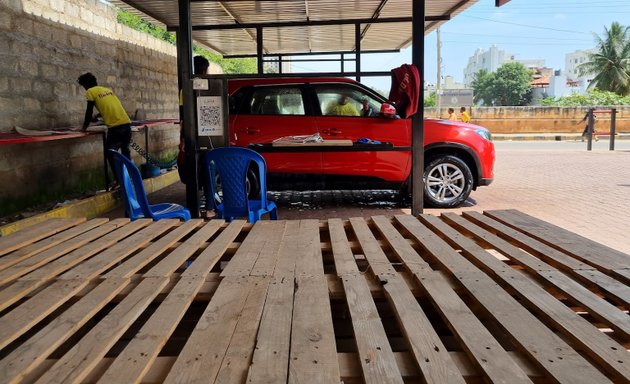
(448,182)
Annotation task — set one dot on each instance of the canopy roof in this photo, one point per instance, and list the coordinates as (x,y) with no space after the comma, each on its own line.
(298,26)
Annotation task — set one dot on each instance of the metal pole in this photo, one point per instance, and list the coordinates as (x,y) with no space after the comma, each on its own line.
(417,121)
(589,130)
(105,155)
(613,128)
(343,59)
(259,49)
(438,85)
(280,64)
(357,49)
(184,57)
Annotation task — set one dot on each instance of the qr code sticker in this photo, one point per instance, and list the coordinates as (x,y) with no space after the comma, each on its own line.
(210,116)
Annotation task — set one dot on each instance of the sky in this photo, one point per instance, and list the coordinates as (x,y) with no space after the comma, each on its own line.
(528,29)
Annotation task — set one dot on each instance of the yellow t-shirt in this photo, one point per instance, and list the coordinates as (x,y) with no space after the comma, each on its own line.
(342,110)
(108,105)
(465,117)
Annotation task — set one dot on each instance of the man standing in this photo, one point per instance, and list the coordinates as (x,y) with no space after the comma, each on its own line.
(114,115)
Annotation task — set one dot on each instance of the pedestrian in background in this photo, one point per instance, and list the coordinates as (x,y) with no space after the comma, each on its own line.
(451,114)
(463,115)
(585,131)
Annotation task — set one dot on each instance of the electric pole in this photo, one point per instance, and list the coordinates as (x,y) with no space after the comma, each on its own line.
(439,74)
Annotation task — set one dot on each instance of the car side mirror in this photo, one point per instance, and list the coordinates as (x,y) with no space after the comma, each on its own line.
(388,111)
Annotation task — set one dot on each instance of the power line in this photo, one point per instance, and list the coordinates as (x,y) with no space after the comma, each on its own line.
(525,25)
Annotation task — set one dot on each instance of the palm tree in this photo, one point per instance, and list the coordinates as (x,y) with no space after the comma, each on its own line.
(611,62)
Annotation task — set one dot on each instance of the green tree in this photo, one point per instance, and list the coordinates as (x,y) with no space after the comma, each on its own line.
(509,85)
(593,97)
(482,87)
(430,101)
(611,62)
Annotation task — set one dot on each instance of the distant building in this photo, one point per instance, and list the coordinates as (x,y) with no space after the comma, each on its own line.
(491,60)
(571,63)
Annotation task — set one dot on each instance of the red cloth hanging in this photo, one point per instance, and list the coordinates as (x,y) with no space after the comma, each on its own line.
(405,91)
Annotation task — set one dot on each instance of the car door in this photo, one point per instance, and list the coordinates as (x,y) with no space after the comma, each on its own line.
(268,112)
(346,122)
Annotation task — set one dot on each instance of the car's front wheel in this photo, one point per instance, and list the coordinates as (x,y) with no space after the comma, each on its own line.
(447,182)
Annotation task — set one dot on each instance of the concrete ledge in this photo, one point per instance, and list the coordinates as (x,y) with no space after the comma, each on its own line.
(91,207)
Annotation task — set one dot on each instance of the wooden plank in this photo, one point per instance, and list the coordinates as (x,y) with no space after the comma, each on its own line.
(143,258)
(135,361)
(20,269)
(250,259)
(586,250)
(270,362)
(77,363)
(308,260)
(33,352)
(112,256)
(546,349)
(325,143)
(615,290)
(44,244)
(201,357)
(35,233)
(379,264)
(345,264)
(598,307)
(184,251)
(481,347)
(239,354)
(427,348)
(313,357)
(39,277)
(25,316)
(378,364)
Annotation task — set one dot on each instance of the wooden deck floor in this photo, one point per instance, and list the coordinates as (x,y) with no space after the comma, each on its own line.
(496,297)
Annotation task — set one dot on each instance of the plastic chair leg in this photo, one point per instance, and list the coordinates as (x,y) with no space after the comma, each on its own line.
(273,214)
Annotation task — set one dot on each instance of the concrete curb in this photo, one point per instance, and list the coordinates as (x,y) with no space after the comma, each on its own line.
(551,136)
(92,206)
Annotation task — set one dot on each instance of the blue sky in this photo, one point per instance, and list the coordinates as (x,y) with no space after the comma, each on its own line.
(528,29)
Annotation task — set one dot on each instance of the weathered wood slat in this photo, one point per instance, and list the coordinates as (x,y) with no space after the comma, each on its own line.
(20,269)
(427,348)
(479,344)
(112,256)
(586,250)
(313,351)
(77,363)
(44,244)
(266,262)
(184,251)
(35,233)
(597,307)
(270,361)
(147,255)
(202,355)
(25,316)
(550,352)
(592,341)
(34,351)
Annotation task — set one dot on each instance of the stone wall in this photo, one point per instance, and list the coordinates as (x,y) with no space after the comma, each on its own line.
(44,46)
(540,119)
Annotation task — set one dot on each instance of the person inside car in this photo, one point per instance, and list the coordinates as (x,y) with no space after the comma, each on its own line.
(342,108)
(366,110)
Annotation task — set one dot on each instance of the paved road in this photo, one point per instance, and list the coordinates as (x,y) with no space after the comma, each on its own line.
(560,182)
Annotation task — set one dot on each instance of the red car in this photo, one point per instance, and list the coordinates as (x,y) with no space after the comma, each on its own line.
(459,157)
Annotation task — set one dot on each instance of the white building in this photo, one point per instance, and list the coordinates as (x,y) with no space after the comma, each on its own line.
(571,62)
(491,60)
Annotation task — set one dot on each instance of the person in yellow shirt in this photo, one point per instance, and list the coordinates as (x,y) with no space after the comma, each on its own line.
(463,115)
(342,108)
(114,115)
(451,114)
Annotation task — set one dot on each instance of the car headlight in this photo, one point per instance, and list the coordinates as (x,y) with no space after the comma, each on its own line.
(484,133)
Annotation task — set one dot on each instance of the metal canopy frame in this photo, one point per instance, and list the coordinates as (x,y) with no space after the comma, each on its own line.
(161,12)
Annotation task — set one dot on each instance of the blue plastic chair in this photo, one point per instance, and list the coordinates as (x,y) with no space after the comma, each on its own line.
(230,164)
(135,197)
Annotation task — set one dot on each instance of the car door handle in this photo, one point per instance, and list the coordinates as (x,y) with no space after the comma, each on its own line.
(332,131)
(250,130)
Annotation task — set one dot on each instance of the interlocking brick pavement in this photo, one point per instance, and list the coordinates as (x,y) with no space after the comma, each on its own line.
(584,192)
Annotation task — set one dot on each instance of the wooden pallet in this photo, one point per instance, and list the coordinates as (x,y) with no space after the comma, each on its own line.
(496,297)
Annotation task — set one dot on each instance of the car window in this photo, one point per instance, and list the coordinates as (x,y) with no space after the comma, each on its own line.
(336,100)
(276,101)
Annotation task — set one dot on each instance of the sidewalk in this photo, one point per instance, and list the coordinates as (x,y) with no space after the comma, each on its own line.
(552,136)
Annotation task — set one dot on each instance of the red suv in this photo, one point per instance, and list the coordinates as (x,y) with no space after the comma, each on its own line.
(458,157)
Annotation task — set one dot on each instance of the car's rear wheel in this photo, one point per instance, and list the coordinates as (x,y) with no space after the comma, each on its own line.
(251,183)
(447,182)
